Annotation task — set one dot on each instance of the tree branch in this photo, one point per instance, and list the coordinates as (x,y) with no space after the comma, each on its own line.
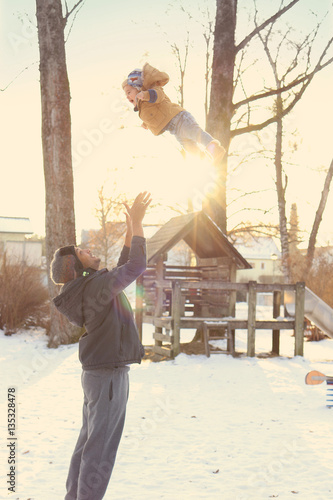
(70,12)
(285,88)
(273,119)
(272,19)
(318,217)
(20,73)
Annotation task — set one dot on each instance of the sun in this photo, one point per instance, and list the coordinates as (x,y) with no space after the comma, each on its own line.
(156,164)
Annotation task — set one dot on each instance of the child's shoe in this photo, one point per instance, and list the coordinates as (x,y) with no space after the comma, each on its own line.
(215,151)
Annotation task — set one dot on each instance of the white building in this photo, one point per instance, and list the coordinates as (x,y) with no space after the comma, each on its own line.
(13,232)
(263,255)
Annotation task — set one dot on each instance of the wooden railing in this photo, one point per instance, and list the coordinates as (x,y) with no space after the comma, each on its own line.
(177,320)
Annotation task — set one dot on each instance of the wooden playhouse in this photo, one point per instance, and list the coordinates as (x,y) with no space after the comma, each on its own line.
(173,297)
(203,296)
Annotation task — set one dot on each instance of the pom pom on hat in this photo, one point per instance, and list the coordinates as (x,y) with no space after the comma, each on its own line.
(64,265)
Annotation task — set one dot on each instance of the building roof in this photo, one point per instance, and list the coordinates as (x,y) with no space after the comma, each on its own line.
(201,234)
(15,225)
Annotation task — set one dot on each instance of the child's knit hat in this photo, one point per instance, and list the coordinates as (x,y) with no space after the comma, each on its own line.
(64,265)
(134,79)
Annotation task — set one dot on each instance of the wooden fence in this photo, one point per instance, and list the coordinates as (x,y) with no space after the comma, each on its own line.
(168,327)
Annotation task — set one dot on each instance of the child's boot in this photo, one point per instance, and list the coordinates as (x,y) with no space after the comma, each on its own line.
(215,151)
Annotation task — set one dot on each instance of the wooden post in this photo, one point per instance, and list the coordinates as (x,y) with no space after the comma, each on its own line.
(299,318)
(159,299)
(205,338)
(139,305)
(176,308)
(231,343)
(276,314)
(251,325)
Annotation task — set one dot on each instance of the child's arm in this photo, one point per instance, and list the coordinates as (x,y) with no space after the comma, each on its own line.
(153,96)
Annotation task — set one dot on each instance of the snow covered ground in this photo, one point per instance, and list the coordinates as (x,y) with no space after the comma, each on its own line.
(196,428)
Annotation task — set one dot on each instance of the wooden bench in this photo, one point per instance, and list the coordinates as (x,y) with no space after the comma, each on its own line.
(226,334)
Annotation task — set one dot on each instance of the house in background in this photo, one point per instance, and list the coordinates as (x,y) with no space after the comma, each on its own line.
(13,232)
(264,256)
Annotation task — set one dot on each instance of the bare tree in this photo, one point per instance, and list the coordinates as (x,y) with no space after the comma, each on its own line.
(226,76)
(318,217)
(182,62)
(300,60)
(112,227)
(56,140)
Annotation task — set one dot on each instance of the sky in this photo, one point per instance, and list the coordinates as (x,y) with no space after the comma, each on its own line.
(105,42)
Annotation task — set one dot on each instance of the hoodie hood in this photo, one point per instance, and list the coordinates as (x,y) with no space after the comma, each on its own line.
(70,300)
(153,77)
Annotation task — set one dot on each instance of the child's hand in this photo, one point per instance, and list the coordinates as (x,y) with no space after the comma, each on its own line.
(142,96)
(144,125)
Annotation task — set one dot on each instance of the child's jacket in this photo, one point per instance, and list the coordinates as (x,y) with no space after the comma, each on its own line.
(156,115)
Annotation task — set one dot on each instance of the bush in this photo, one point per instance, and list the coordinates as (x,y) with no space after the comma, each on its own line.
(24,300)
(320,278)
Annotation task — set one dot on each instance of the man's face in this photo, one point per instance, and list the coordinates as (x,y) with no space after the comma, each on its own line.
(87,258)
(131,93)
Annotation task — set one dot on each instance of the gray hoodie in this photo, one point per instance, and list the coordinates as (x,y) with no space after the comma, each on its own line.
(98,302)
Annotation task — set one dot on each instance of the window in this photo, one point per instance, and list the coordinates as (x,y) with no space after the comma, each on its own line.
(262,266)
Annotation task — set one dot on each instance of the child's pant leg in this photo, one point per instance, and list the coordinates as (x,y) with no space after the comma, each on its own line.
(187,131)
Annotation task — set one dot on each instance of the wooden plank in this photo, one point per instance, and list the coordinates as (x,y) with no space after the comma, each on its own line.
(176,308)
(159,292)
(205,336)
(224,285)
(276,314)
(182,274)
(214,285)
(148,319)
(233,293)
(184,267)
(271,287)
(299,319)
(239,324)
(163,351)
(251,328)
(162,322)
(159,299)
(227,335)
(272,324)
(164,337)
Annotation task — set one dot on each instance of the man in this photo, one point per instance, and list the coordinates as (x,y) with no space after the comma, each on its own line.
(95,298)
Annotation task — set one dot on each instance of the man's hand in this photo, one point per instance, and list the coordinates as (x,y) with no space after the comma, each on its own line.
(137,212)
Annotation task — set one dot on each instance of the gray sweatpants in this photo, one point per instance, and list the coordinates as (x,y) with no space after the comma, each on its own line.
(104,408)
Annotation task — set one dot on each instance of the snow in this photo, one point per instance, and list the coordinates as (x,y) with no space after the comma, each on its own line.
(196,427)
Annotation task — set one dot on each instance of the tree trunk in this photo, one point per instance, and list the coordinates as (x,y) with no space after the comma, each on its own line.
(281,190)
(317,221)
(221,106)
(56,139)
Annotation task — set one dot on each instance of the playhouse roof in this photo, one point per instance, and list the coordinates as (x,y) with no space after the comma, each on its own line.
(201,234)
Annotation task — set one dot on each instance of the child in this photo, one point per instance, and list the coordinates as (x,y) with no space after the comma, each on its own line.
(143,88)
